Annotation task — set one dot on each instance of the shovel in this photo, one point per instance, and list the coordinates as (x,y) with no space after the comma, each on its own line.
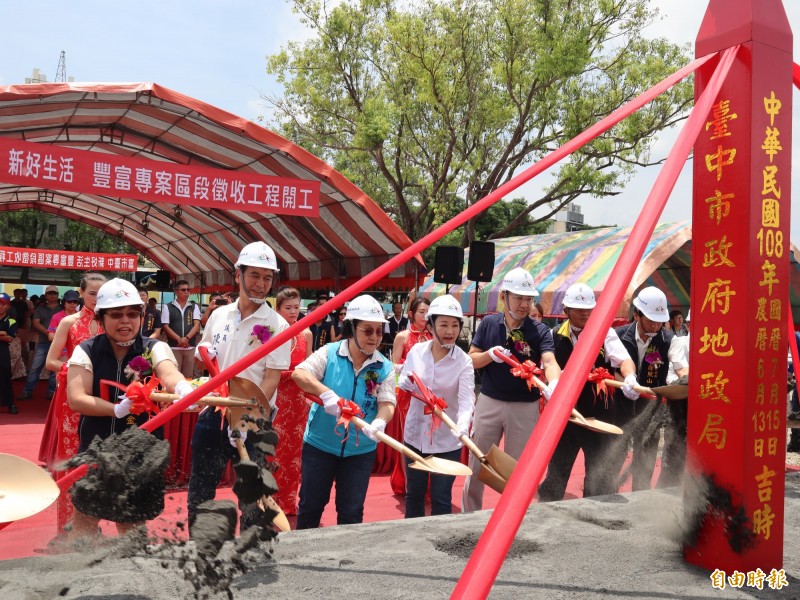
(165,398)
(431,464)
(670,392)
(25,489)
(496,467)
(575,418)
(251,483)
(244,389)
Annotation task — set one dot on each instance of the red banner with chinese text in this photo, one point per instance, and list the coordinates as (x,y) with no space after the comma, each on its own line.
(63,259)
(54,167)
(740,278)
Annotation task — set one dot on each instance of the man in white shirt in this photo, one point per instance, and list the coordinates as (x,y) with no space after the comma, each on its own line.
(233,331)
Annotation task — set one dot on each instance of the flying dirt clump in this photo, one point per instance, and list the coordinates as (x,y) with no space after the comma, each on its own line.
(125,481)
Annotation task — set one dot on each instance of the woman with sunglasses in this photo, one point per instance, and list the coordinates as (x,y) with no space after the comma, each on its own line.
(405,340)
(290,422)
(110,356)
(447,371)
(352,370)
(338,322)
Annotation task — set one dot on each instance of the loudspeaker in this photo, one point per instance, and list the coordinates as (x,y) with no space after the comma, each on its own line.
(162,281)
(481,261)
(449,264)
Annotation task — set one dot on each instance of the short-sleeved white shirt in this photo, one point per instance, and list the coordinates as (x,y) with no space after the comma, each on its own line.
(160,352)
(230,337)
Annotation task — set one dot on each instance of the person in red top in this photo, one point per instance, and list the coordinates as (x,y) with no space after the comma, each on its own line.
(290,421)
(403,342)
(60,436)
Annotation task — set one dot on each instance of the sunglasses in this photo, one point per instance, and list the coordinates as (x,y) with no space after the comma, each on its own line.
(48,293)
(370,332)
(119,314)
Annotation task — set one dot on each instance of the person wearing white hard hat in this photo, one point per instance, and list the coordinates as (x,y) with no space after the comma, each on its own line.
(416,332)
(118,354)
(350,370)
(578,303)
(232,332)
(649,345)
(448,372)
(506,408)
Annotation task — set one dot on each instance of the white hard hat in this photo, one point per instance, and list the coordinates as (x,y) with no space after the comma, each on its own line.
(446,306)
(519,281)
(257,254)
(653,304)
(579,295)
(117,292)
(365,308)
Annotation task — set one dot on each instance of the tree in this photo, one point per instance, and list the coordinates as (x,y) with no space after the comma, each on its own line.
(426,105)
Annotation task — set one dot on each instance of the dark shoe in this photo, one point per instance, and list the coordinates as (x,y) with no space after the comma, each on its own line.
(12,410)
(25,396)
(793,416)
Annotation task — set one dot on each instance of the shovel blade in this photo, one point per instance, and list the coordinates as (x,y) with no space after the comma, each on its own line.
(672,392)
(442,466)
(492,478)
(25,488)
(502,463)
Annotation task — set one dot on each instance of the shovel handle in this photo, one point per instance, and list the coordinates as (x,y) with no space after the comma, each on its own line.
(426,398)
(389,441)
(163,397)
(513,362)
(644,391)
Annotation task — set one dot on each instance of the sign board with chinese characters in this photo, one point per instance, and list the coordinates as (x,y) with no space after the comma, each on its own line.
(740,291)
(63,168)
(62,259)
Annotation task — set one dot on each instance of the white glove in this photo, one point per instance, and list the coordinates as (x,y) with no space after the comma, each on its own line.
(500,349)
(182,388)
(370,429)
(549,389)
(330,402)
(211,353)
(123,407)
(627,388)
(240,434)
(462,430)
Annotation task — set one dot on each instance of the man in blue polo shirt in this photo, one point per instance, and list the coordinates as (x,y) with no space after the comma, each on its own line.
(505,406)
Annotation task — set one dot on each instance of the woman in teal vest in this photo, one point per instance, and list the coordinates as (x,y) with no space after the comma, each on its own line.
(351,370)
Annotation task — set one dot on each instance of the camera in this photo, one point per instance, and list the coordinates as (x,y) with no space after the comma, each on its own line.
(220,302)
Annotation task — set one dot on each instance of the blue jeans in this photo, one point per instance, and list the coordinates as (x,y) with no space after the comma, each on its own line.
(318,472)
(37,364)
(441,487)
(211,451)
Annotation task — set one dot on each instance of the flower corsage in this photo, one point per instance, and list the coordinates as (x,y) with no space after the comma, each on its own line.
(261,333)
(371,379)
(519,345)
(140,366)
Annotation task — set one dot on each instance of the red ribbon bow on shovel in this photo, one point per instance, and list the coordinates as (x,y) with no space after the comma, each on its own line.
(599,376)
(431,401)
(349,410)
(137,392)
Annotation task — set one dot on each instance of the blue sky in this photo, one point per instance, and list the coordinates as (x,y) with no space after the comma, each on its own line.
(216,51)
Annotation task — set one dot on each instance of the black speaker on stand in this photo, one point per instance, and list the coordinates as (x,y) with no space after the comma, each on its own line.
(480,269)
(449,265)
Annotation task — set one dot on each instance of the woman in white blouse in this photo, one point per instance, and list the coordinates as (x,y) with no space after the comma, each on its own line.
(448,372)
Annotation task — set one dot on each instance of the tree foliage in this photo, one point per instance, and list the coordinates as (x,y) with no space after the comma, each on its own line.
(426,105)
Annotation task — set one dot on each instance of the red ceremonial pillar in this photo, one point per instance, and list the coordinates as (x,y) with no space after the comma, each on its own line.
(740,287)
